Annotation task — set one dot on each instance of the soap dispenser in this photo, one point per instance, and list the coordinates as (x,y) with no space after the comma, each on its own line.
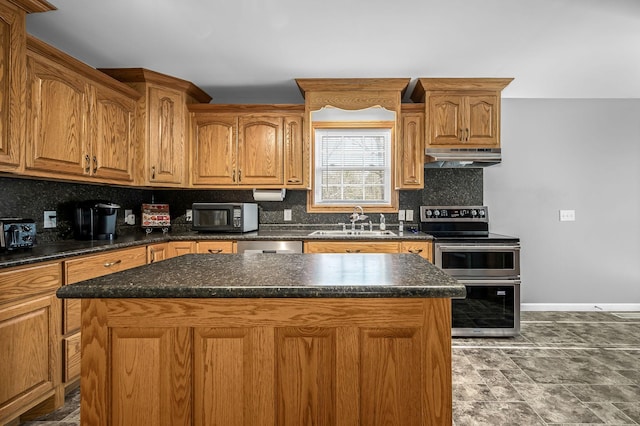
(383,226)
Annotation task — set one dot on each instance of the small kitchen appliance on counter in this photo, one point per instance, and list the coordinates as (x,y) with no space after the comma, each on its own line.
(17,233)
(487,264)
(225,217)
(95,220)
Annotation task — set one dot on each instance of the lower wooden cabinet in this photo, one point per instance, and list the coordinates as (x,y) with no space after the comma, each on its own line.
(29,336)
(86,267)
(423,248)
(351,247)
(216,247)
(245,362)
(178,248)
(157,252)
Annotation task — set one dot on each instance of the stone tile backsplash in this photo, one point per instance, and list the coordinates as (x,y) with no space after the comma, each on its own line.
(29,198)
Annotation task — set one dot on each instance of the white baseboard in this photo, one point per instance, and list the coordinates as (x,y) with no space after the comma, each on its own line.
(608,307)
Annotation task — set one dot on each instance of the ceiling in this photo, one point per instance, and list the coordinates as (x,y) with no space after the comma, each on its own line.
(251,51)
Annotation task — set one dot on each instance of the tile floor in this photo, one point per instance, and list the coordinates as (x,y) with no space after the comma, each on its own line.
(566,368)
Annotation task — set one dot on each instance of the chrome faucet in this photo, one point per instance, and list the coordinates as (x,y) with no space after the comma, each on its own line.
(356,217)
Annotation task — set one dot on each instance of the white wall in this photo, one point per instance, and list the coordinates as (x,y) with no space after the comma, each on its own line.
(571,154)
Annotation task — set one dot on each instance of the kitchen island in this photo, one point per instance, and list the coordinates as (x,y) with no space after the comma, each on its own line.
(268,339)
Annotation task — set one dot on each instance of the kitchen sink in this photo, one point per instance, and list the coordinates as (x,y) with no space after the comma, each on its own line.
(350,233)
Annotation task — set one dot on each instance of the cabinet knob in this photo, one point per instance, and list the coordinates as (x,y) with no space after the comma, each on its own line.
(153,172)
(87,167)
(415,251)
(110,264)
(216,251)
(95,164)
(353,251)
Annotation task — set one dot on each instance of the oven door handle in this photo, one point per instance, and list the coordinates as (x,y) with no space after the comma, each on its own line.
(490,282)
(442,247)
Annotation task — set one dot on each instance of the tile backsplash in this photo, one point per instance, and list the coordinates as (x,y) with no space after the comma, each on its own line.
(29,198)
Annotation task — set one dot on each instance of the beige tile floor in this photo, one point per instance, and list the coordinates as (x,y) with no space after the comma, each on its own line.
(566,368)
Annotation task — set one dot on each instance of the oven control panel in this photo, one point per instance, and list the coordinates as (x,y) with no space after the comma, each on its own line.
(462,213)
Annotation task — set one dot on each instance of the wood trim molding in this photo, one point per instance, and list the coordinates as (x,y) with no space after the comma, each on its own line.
(424,85)
(34,6)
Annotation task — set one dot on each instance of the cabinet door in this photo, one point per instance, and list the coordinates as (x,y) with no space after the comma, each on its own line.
(351,247)
(294,153)
(29,350)
(165,140)
(410,163)
(214,149)
(482,126)
(446,119)
(179,248)
(157,252)
(423,248)
(13,83)
(57,111)
(112,131)
(260,151)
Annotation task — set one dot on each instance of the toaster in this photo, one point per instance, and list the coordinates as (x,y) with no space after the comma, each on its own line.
(17,233)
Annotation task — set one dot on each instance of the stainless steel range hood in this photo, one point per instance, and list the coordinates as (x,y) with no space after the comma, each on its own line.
(461,157)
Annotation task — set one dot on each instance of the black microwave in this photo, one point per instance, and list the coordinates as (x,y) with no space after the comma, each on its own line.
(225,217)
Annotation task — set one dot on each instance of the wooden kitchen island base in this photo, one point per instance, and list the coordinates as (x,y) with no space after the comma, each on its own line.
(270,361)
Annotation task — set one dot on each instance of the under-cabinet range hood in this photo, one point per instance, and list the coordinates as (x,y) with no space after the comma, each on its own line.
(461,157)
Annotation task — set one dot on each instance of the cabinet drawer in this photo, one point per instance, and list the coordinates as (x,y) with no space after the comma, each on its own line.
(71,357)
(215,247)
(22,282)
(423,248)
(88,267)
(351,247)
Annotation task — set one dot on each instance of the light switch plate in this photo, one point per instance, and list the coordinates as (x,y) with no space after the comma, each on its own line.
(287,215)
(129,217)
(188,216)
(409,215)
(401,215)
(567,215)
(50,219)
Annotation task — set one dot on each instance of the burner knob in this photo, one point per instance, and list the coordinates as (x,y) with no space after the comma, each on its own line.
(436,213)
(429,212)
(26,228)
(474,212)
(481,212)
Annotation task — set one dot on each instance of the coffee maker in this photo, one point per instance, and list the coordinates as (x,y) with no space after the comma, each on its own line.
(95,220)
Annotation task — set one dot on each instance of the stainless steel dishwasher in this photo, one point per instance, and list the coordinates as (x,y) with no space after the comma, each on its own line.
(280,247)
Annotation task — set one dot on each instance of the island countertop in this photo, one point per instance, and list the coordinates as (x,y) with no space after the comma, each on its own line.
(275,276)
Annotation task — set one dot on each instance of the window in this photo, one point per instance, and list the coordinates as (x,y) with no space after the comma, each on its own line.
(352,166)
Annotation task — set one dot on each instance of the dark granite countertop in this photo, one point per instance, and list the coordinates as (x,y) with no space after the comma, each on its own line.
(274,276)
(69,248)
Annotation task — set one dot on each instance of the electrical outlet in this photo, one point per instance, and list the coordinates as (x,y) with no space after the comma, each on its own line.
(567,215)
(129,217)
(50,219)
(287,215)
(401,215)
(409,215)
(188,216)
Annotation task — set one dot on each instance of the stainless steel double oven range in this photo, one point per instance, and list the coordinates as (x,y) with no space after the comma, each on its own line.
(487,264)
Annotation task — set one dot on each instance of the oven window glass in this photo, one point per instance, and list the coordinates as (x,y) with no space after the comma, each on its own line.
(214,217)
(486,306)
(477,260)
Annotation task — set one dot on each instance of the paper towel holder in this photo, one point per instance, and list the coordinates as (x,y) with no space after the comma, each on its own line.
(269,194)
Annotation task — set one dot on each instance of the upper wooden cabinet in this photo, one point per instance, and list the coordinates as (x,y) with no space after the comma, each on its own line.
(410,151)
(80,122)
(12,83)
(461,112)
(247,145)
(162,124)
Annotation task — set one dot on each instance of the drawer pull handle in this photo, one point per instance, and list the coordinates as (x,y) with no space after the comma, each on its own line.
(215,251)
(353,251)
(110,264)
(415,251)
